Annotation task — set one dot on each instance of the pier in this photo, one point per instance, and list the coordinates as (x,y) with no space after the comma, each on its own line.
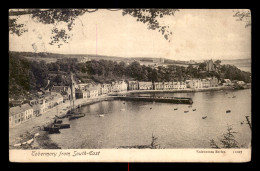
(175,100)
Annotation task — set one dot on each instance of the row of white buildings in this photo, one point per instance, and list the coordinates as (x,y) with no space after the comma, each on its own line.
(22,113)
(88,90)
(193,84)
(59,94)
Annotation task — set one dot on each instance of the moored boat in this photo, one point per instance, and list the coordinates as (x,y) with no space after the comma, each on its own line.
(52,129)
(76,115)
(62,126)
(73,113)
(58,121)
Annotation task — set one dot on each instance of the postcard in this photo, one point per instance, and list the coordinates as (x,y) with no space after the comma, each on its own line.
(130,85)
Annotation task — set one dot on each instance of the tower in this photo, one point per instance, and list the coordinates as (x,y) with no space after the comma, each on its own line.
(210,65)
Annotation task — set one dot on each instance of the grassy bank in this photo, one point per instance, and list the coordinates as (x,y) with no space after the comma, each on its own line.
(41,141)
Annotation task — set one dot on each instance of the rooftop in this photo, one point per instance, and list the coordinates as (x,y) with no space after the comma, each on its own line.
(19,109)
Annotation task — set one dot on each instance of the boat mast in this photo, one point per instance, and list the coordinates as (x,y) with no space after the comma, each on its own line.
(57,110)
(72,91)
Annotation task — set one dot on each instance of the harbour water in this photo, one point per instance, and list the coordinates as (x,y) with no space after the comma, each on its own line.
(111,124)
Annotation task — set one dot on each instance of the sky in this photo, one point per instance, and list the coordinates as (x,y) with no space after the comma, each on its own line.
(197,35)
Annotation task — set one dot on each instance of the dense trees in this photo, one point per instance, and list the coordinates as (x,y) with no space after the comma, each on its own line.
(26,76)
(234,73)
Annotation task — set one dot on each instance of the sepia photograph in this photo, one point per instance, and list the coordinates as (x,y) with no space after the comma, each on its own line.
(129,85)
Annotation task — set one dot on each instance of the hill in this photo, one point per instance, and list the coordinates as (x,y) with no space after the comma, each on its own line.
(52,57)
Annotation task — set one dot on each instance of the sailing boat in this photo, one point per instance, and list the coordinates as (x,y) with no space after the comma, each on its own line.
(73,113)
(58,122)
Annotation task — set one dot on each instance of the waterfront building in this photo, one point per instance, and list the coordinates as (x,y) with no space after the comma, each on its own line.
(241,83)
(38,107)
(115,87)
(198,84)
(81,94)
(104,88)
(28,111)
(46,102)
(205,83)
(133,85)
(20,114)
(182,86)
(227,82)
(158,86)
(15,116)
(175,85)
(99,88)
(179,85)
(58,98)
(65,91)
(109,88)
(123,85)
(92,92)
(194,84)
(49,101)
(118,86)
(213,82)
(167,86)
(189,83)
(145,85)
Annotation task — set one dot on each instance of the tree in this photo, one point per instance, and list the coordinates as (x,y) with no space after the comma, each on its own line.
(154,75)
(217,62)
(228,140)
(68,16)
(202,66)
(58,80)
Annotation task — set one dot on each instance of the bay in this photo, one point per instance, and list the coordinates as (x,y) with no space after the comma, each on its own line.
(129,123)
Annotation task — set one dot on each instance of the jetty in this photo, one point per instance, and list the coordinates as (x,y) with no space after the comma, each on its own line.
(174,100)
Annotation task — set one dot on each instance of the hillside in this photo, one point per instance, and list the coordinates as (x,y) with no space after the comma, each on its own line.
(52,57)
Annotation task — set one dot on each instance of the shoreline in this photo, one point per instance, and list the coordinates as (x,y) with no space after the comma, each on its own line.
(188,90)
(84,102)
